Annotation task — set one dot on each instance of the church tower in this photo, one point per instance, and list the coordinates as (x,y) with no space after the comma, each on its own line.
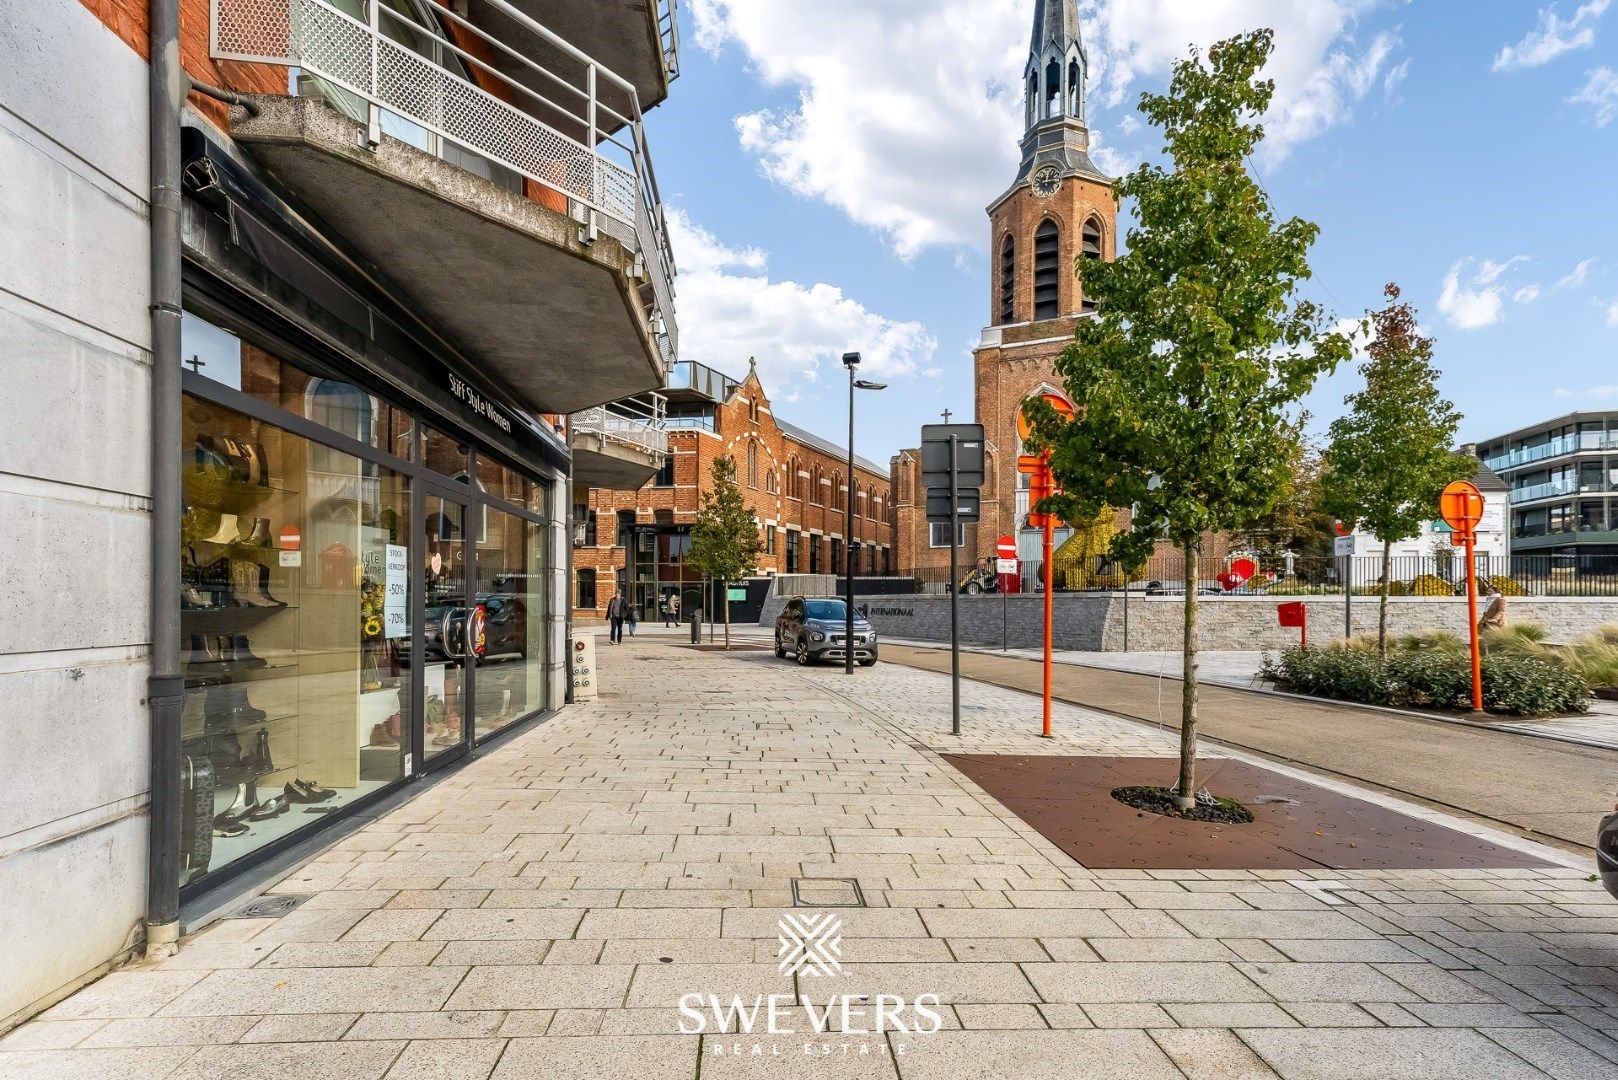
(1058,212)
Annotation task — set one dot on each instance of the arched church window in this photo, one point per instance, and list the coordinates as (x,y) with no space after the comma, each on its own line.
(1075,85)
(1008,279)
(752,464)
(1032,99)
(1092,239)
(1053,88)
(1047,299)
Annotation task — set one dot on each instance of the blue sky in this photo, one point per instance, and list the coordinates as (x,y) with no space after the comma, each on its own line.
(827,167)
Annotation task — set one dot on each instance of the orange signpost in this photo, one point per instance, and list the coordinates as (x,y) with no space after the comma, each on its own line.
(1041,485)
(1461,506)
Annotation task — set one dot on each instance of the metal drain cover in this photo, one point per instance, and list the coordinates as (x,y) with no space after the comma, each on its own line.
(827,892)
(268,907)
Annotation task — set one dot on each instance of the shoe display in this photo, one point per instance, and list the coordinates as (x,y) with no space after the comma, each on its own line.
(311,787)
(246,800)
(241,652)
(228,708)
(261,754)
(381,736)
(228,530)
(258,535)
(227,827)
(205,649)
(269,808)
(300,792)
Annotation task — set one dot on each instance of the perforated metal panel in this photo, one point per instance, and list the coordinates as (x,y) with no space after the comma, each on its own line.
(258,31)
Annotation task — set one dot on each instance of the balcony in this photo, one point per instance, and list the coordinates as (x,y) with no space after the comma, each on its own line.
(619,446)
(1549,490)
(502,184)
(1584,442)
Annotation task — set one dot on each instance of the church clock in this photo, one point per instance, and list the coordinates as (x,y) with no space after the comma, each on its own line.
(1047,181)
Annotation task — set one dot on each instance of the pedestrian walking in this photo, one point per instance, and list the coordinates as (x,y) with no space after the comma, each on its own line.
(674,609)
(1494,614)
(617,608)
(631,619)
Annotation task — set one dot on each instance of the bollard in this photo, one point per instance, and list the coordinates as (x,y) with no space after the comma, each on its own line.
(696,626)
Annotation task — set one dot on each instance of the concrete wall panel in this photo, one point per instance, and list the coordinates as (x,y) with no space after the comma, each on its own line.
(77,403)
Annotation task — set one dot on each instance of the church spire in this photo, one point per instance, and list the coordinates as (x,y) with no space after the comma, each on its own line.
(1054,95)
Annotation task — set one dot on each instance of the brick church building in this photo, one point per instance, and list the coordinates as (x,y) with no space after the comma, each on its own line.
(1058,212)
(795,482)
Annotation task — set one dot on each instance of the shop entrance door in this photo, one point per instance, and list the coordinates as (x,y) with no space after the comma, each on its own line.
(449,629)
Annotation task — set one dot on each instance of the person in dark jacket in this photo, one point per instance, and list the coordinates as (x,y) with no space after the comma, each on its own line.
(617,610)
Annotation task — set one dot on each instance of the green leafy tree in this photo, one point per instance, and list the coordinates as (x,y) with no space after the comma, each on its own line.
(1186,380)
(724,541)
(1390,457)
(1298,522)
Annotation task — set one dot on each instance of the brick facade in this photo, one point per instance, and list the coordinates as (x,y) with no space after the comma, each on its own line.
(790,484)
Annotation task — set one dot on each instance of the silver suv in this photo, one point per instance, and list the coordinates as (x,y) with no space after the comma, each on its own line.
(814,629)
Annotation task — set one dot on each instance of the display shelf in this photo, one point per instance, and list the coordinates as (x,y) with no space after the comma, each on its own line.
(216,730)
(203,620)
(222,674)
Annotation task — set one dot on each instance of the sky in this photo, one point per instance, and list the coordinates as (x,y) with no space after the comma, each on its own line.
(827,167)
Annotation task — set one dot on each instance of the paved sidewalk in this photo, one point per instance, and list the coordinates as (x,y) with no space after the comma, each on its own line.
(541,913)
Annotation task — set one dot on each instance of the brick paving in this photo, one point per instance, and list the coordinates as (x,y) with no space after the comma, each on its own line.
(541,912)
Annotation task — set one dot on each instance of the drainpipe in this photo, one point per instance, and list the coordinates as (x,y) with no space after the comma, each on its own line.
(165,685)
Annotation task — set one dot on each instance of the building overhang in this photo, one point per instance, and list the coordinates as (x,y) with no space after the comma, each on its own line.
(556,320)
(626,37)
(599,462)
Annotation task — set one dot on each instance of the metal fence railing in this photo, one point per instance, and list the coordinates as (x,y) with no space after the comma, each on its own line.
(638,423)
(403,67)
(1282,576)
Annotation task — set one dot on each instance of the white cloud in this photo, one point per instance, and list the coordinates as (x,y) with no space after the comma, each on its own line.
(730,310)
(1552,36)
(906,113)
(1595,392)
(1469,308)
(1319,69)
(1576,276)
(1527,294)
(1612,314)
(1600,92)
(1489,270)
(1563,392)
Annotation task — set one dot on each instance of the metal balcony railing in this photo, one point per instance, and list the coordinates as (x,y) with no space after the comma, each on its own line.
(1547,490)
(387,58)
(668,29)
(637,423)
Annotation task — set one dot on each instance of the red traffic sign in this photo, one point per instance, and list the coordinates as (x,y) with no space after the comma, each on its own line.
(1006,547)
(1340,528)
(290,539)
(1461,506)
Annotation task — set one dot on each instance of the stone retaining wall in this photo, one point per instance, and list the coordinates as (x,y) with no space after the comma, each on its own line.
(1095,621)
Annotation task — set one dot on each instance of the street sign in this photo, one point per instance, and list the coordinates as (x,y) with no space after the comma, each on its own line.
(1006,548)
(938,505)
(1461,506)
(968,455)
(1005,566)
(734,595)
(1343,545)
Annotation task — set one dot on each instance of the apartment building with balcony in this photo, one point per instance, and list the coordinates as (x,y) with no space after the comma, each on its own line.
(1562,476)
(634,538)
(314,311)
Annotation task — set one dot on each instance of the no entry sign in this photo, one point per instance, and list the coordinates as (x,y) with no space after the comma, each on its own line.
(1006,547)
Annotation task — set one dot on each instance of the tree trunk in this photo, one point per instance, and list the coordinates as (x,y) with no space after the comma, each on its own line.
(725,599)
(1382,617)
(1186,795)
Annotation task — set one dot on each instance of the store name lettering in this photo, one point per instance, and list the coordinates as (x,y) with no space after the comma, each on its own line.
(479,404)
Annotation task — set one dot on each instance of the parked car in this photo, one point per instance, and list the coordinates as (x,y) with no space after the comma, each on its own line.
(814,629)
(1607,852)
(502,618)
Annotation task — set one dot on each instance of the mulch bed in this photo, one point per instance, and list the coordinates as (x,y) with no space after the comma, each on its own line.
(1297,825)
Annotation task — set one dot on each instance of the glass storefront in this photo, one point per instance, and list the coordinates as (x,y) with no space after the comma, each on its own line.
(363,596)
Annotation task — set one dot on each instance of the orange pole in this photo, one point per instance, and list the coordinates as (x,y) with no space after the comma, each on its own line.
(1472,617)
(1050,609)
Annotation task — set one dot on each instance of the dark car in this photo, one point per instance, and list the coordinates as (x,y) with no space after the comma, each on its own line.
(1607,852)
(814,629)
(502,617)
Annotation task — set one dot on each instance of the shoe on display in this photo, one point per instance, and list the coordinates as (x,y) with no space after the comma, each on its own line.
(227,827)
(228,530)
(446,739)
(381,736)
(193,597)
(269,808)
(204,650)
(241,652)
(258,535)
(261,753)
(313,788)
(246,801)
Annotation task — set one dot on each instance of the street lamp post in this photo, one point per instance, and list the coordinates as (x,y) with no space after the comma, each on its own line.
(851,361)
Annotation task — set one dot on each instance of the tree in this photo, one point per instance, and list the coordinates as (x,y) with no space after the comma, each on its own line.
(1186,379)
(724,541)
(1390,456)
(1298,522)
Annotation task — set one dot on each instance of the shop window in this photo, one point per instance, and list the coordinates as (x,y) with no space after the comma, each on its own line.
(584,589)
(297,686)
(510,680)
(501,482)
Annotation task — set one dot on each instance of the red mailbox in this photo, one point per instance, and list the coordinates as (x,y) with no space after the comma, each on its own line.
(1295,614)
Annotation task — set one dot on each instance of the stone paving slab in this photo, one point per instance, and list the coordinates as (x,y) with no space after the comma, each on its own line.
(544,911)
